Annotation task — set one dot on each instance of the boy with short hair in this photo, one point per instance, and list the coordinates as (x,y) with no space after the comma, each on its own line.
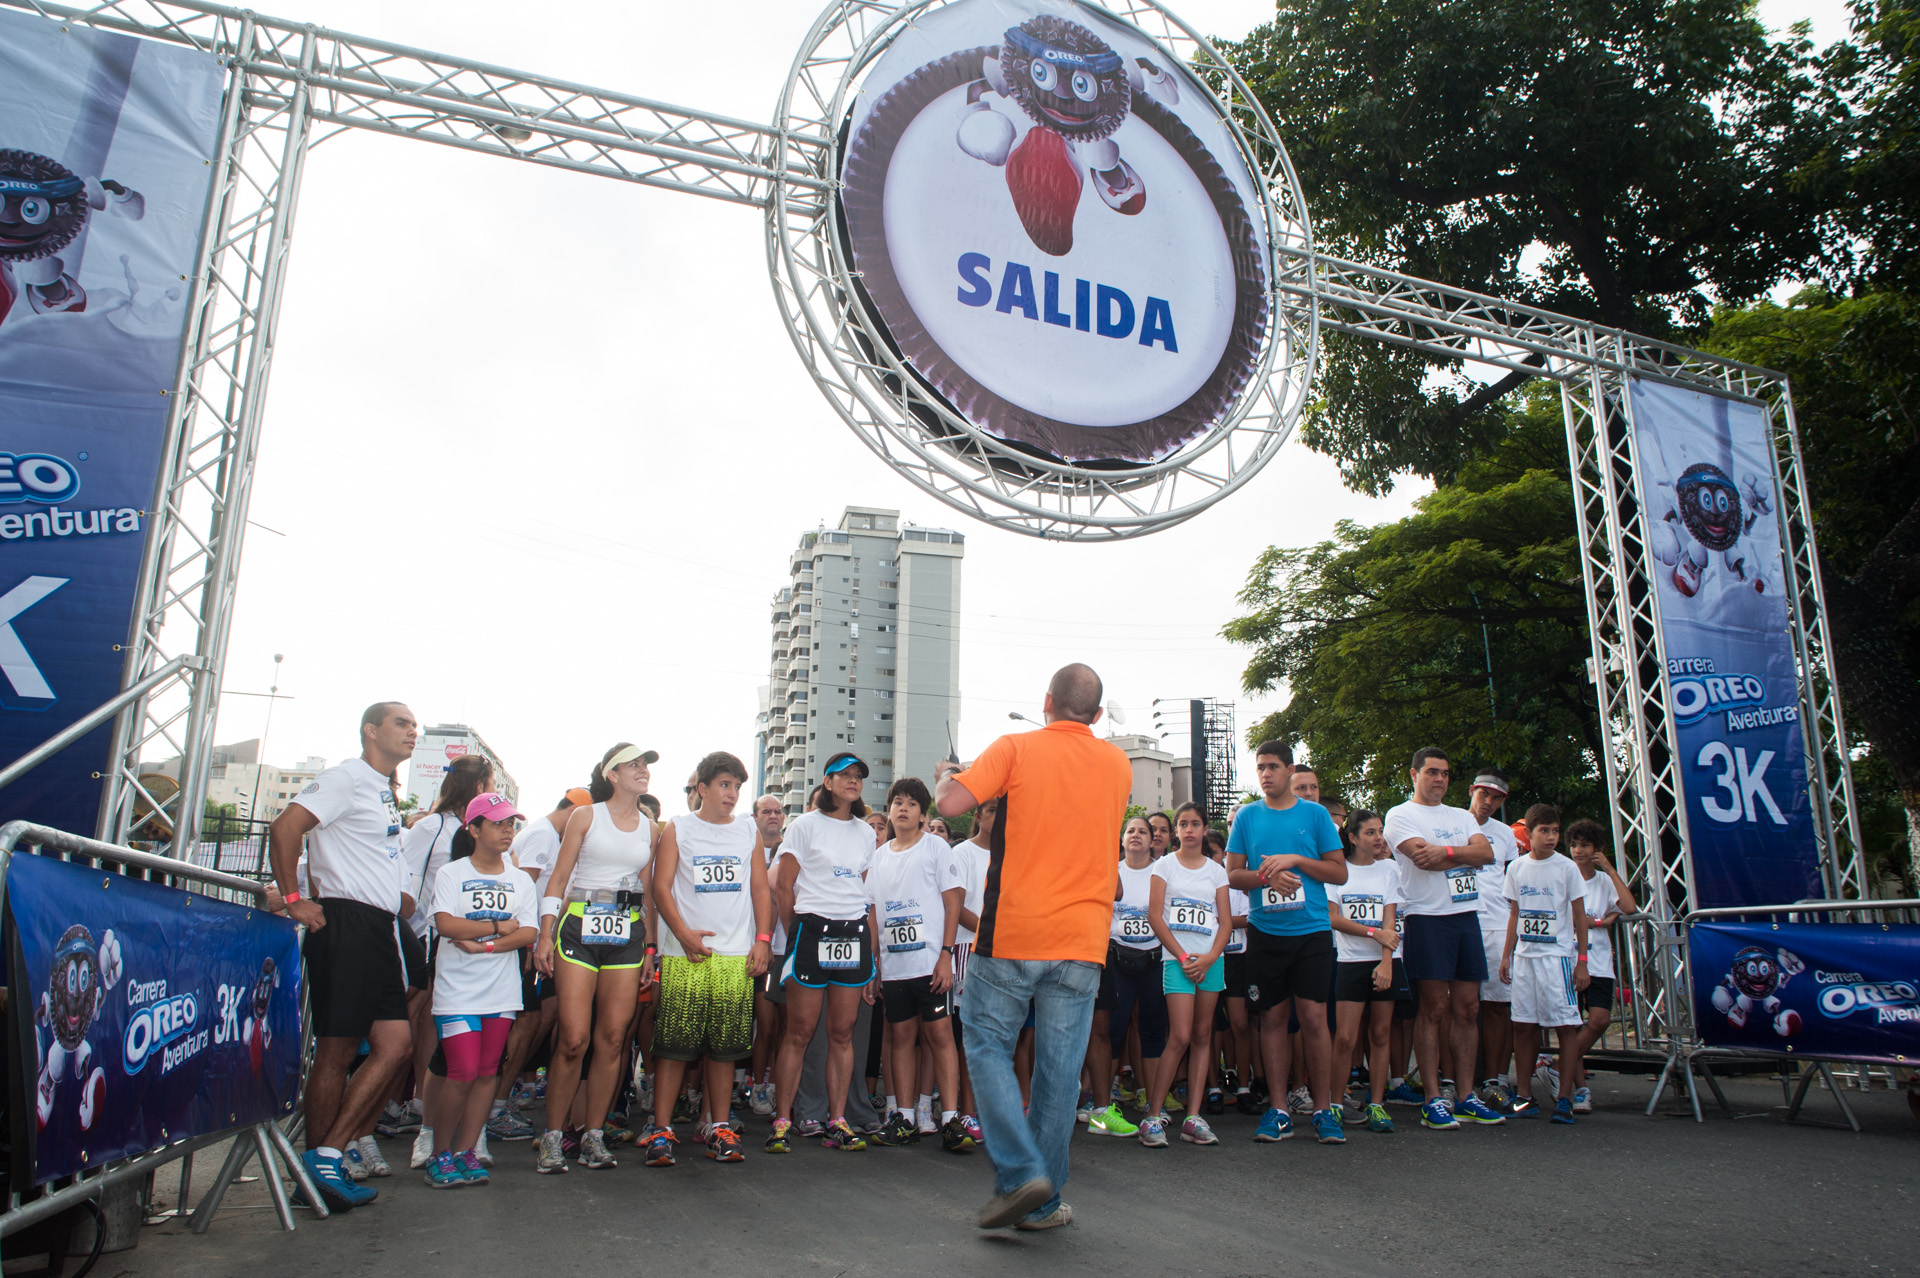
(1545,958)
(1607,898)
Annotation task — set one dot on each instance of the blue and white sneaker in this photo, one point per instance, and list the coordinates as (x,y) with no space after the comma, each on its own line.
(1476,1110)
(444,1173)
(1326,1127)
(1563,1111)
(1404,1095)
(330,1178)
(1274,1126)
(1438,1115)
(1583,1100)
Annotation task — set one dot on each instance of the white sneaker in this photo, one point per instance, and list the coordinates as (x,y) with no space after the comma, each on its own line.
(422,1149)
(760,1099)
(1300,1101)
(923,1119)
(371,1157)
(351,1160)
(480,1150)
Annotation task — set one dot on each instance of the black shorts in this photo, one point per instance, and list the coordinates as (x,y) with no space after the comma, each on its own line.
(532,993)
(1235,970)
(1353,983)
(413,952)
(915,997)
(848,952)
(1283,967)
(767,985)
(356,974)
(1598,994)
(596,956)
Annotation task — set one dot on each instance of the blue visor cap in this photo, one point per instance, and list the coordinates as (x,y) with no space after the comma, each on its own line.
(1097,63)
(841,762)
(56,189)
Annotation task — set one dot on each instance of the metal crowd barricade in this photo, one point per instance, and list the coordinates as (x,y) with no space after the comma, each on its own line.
(265,1139)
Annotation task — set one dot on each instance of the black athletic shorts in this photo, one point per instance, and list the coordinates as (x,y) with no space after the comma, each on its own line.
(1234,968)
(573,946)
(1353,983)
(413,951)
(767,985)
(1599,993)
(823,952)
(915,997)
(356,974)
(1283,967)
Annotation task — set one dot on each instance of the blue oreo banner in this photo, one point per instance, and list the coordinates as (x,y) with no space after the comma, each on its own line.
(154,1014)
(1829,991)
(1709,499)
(104,149)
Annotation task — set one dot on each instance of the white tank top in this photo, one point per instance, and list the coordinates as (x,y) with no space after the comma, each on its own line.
(609,854)
(1130,926)
(714,885)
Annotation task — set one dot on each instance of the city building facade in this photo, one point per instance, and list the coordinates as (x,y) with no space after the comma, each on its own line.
(437,747)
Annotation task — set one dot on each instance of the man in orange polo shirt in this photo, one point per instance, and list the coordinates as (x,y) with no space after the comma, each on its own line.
(1051,875)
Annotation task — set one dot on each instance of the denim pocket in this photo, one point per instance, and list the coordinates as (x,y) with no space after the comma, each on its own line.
(1078,977)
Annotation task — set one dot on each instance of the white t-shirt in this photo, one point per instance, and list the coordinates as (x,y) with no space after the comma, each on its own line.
(481,984)
(834,857)
(1545,891)
(424,849)
(713,886)
(1189,906)
(1492,877)
(535,849)
(1130,926)
(905,887)
(1602,899)
(773,866)
(972,859)
(1239,903)
(1452,891)
(1364,899)
(355,850)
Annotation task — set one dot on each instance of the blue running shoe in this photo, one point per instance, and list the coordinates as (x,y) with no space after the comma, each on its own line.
(1404,1095)
(1377,1120)
(1438,1115)
(1474,1109)
(444,1173)
(331,1179)
(1275,1126)
(1326,1127)
(1563,1111)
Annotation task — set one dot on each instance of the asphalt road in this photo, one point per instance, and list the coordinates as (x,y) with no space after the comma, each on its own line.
(1619,1193)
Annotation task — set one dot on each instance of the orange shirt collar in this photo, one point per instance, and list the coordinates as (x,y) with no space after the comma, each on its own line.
(1070,725)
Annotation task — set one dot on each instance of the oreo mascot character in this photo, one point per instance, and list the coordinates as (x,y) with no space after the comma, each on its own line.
(43,207)
(76,987)
(255,1032)
(1702,526)
(1752,984)
(1076,91)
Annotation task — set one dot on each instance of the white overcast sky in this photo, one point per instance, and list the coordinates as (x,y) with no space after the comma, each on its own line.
(538,445)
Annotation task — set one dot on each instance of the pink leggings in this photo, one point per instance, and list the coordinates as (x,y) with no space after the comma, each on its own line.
(470,1055)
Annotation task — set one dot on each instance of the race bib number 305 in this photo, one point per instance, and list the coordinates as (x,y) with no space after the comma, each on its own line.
(606,925)
(839,954)
(716,874)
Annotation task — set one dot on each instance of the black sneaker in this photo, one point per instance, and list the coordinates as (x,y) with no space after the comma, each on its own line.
(1215,1104)
(897,1130)
(954,1137)
(1247,1104)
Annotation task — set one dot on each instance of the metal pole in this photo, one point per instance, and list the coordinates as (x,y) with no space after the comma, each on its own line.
(87,723)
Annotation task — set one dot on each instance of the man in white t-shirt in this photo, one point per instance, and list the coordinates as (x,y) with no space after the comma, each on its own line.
(357,982)
(1439,850)
(1484,797)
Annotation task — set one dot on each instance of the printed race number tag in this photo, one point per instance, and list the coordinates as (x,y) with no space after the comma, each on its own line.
(903,934)
(606,925)
(1538,926)
(1185,915)
(716,874)
(840,954)
(1463,884)
(1130,924)
(1368,911)
(487,899)
(1272,898)
(1237,943)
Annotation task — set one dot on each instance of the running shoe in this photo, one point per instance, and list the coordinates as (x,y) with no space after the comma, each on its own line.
(422,1149)
(570,1141)
(972,1126)
(1274,1126)
(1153,1131)
(370,1157)
(923,1119)
(1474,1109)
(659,1147)
(1172,1104)
(552,1157)
(443,1173)
(643,1093)
(760,1099)
(508,1125)
(777,1142)
(1438,1115)
(617,1132)
(1496,1094)
(1061,1215)
(1110,1122)
(1404,1094)
(335,1185)
(686,1110)
(1248,1104)
(897,1130)
(1563,1111)
(470,1168)
(1448,1092)
(593,1152)
(1196,1132)
(1582,1102)
(350,1159)
(1215,1104)
(398,1120)
(1300,1101)
(1377,1120)
(723,1144)
(955,1138)
(840,1136)
(1523,1107)
(810,1128)
(1327,1129)
(1084,1110)
(480,1150)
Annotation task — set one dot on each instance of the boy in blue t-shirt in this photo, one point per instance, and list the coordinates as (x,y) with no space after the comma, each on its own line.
(1283,852)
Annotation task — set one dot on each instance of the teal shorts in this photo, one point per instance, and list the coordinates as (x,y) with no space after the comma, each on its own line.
(1212,981)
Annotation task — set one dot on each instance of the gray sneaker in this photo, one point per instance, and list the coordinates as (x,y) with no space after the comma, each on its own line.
(1153,1131)
(593,1152)
(552,1158)
(1300,1101)
(1449,1093)
(808,1128)
(509,1125)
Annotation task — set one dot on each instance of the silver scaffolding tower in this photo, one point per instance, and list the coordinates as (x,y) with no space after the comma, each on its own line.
(288,79)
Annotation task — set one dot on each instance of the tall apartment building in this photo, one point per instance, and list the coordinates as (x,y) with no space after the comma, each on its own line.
(437,748)
(865,654)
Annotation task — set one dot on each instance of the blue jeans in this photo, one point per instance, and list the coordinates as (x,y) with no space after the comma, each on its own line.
(999,991)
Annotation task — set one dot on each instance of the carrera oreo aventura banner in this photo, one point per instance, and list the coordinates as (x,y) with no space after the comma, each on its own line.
(104,149)
(1709,498)
(1839,991)
(153,1014)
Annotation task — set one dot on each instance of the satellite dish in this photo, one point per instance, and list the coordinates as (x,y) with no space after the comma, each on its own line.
(1115,713)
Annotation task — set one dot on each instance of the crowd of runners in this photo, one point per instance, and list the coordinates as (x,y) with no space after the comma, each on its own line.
(656,983)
